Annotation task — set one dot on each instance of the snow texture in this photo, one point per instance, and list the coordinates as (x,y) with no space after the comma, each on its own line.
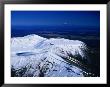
(36,56)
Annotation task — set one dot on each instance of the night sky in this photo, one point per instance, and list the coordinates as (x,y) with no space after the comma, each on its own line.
(38,18)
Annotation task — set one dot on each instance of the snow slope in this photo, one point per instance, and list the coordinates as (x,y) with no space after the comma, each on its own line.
(36,56)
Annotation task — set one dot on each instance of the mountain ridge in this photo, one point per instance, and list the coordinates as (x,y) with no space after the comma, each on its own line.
(35,56)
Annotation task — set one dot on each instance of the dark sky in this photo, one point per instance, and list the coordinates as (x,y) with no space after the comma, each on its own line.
(76,18)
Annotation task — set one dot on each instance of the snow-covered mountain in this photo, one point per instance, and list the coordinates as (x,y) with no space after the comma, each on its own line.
(36,56)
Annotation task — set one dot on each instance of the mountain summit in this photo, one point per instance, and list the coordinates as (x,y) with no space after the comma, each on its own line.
(35,56)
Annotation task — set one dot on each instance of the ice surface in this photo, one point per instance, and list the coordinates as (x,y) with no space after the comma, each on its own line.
(37,56)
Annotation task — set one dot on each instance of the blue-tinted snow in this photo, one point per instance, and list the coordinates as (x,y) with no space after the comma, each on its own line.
(37,53)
